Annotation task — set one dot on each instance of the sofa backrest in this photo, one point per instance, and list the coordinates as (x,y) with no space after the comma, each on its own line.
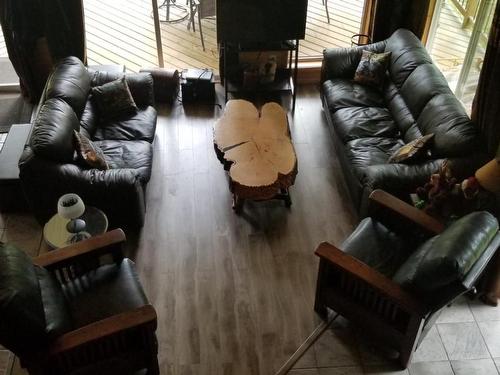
(421,100)
(140,84)
(70,82)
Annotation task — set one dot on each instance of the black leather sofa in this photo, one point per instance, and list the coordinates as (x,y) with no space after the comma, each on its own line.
(370,124)
(48,168)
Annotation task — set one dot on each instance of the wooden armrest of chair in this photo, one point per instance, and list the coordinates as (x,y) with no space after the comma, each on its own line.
(406,210)
(103,328)
(375,279)
(107,243)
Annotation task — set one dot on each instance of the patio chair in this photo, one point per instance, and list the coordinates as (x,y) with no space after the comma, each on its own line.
(325,3)
(392,281)
(77,310)
(201,9)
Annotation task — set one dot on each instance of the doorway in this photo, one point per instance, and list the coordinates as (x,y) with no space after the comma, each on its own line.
(457,42)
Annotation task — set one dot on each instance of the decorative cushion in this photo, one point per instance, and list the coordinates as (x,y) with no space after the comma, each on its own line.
(22,320)
(447,257)
(372,68)
(412,151)
(114,99)
(89,153)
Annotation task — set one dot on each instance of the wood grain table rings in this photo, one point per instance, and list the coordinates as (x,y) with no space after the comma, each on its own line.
(257,151)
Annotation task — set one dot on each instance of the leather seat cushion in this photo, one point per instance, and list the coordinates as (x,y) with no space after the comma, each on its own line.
(362,122)
(136,155)
(377,246)
(139,126)
(109,290)
(343,93)
(364,152)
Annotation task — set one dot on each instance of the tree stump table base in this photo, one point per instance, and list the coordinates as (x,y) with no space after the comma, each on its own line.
(256,150)
(284,195)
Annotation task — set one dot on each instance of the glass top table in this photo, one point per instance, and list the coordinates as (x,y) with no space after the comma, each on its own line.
(56,235)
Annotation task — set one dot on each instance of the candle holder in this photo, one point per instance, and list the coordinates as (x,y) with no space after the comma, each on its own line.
(70,206)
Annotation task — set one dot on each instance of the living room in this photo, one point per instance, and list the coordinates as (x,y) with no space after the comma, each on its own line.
(236,291)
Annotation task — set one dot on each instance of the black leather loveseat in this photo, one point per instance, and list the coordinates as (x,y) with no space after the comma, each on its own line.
(370,124)
(48,166)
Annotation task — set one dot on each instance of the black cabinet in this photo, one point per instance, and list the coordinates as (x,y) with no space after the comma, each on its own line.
(233,71)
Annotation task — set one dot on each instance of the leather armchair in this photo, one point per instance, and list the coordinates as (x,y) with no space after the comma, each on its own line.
(77,310)
(392,276)
(48,168)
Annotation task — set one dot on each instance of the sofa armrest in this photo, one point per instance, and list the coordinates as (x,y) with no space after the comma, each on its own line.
(342,62)
(400,177)
(109,328)
(370,277)
(107,243)
(115,191)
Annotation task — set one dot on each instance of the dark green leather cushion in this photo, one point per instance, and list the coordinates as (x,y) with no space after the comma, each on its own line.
(22,321)
(377,246)
(448,257)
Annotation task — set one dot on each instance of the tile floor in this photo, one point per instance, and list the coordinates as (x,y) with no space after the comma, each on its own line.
(465,340)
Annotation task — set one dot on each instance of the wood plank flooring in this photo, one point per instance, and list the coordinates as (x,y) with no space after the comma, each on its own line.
(234,294)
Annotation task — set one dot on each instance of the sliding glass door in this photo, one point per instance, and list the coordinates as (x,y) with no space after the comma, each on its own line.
(457,42)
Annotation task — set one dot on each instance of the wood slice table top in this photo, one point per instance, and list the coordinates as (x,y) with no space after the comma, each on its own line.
(256,148)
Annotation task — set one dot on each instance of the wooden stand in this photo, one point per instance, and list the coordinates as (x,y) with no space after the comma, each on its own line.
(286,78)
(257,151)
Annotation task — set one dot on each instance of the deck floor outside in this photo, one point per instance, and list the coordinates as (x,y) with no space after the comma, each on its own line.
(123,33)
(449,49)
(120,32)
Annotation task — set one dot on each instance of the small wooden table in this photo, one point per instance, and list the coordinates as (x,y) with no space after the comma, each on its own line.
(257,151)
(56,235)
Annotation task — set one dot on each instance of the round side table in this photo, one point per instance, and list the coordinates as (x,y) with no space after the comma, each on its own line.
(56,235)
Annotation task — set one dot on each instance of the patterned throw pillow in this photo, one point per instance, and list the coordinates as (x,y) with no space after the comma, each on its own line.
(114,99)
(90,154)
(371,69)
(412,151)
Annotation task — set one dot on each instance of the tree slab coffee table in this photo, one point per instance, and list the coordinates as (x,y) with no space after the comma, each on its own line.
(257,151)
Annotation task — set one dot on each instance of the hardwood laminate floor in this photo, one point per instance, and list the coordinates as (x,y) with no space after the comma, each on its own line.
(234,294)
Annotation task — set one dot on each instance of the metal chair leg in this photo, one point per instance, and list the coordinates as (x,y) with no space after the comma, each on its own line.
(192,10)
(201,32)
(327,13)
